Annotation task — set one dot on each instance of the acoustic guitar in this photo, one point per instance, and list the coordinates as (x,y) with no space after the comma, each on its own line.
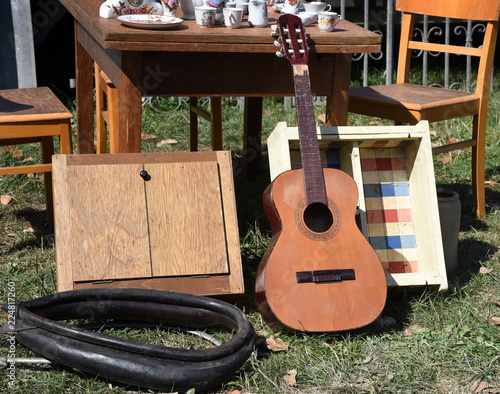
(319,273)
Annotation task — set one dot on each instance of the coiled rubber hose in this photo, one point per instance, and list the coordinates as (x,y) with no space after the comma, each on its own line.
(135,363)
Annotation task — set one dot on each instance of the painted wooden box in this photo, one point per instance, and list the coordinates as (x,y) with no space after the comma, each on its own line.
(397,207)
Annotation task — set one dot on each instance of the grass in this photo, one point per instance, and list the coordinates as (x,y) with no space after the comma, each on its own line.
(426,342)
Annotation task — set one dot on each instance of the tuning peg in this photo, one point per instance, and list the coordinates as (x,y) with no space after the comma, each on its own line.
(275,31)
(278,43)
(280,54)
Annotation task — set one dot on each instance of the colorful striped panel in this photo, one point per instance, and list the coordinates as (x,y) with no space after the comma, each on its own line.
(388,205)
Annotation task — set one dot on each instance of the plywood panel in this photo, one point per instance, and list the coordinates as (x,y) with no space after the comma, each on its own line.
(108,222)
(186,219)
(174,230)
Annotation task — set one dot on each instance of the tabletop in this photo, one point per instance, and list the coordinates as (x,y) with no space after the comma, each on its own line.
(188,37)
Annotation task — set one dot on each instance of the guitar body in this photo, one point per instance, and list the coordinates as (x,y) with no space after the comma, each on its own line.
(327,242)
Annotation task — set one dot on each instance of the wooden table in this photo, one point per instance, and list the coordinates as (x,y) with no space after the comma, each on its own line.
(193,61)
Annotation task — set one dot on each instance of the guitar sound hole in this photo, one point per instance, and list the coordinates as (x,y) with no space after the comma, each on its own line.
(318,217)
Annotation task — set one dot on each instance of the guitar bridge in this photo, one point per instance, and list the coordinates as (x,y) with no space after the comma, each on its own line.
(325,276)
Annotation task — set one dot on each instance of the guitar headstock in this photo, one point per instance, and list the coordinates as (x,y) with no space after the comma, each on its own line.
(292,38)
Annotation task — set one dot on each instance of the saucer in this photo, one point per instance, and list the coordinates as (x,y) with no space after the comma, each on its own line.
(150,22)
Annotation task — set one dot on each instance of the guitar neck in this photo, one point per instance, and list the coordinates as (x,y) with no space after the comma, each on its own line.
(309,149)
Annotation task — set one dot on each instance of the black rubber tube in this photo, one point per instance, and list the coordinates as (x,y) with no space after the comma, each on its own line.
(132,362)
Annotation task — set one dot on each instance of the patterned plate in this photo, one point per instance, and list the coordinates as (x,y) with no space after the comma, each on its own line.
(150,22)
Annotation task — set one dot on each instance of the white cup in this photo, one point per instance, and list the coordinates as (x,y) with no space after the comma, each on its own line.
(287,9)
(242,5)
(307,17)
(327,20)
(317,6)
(231,4)
(233,17)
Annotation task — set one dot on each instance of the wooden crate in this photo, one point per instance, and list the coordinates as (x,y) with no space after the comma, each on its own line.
(174,228)
(397,207)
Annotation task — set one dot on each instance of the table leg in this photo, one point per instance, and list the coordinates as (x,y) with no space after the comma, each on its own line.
(252,133)
(337,102)
(130,94)
(84,99)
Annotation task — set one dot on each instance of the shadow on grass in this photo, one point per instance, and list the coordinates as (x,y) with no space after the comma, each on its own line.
(36,218)
(468,218)
(43,233)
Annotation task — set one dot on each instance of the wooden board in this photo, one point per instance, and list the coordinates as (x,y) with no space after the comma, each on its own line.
(186,221)
(116,228)
(397,203)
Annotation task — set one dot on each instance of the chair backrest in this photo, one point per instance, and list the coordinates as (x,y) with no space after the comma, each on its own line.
(487,11)
(483,10)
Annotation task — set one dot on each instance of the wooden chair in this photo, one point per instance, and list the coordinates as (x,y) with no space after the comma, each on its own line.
(214,117)
(35,115)
(107,116)
(106,102)
(409,103)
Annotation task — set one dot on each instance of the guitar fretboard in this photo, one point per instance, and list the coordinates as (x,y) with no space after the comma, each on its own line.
(309,150)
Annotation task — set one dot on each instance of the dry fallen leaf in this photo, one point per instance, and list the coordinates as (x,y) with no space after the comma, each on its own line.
(13,150)
(445,159)
(411,330)
(29,230)
(234,392)
(276,344)
(5,199)
(496,301)
(290,377)
(484,270)
(432,133)
(495,320)
(322,118)
(477,386)
(166,142)
(148,136)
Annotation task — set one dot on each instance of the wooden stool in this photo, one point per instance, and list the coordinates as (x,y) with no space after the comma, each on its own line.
(107,116)
(35,115)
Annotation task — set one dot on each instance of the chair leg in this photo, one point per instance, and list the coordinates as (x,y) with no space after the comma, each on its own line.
(65,141)
(216,120)
(193,124)
(113,118)
(478,163)
(47,152)
(214,117)
(99,108)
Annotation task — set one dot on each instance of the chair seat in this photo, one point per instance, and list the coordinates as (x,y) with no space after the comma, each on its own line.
(32,104)
(408,103)
(35,115)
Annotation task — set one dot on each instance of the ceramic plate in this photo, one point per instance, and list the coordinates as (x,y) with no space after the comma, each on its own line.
(146,21)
